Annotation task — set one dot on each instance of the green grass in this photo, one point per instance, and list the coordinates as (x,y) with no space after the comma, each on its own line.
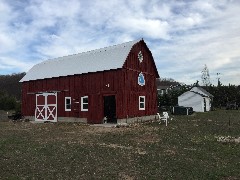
(186,149)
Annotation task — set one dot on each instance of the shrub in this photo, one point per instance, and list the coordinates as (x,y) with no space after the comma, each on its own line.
(8,102)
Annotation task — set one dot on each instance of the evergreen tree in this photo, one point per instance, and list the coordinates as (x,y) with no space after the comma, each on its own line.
(205,76)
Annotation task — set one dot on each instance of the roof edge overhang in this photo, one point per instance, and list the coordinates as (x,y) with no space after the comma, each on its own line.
(71,75)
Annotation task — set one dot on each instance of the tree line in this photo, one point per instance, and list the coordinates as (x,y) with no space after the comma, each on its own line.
(8,102)
(10,91)
(11,85)
(222,95)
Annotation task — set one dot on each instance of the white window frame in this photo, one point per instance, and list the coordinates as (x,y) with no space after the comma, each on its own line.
(67,109)
(82,109)
(144,102)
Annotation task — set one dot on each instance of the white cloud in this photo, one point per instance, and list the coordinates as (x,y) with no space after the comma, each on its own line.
(52,9)
(182,35)
(7,64)
(213,40)
(151,28)
(160,11)
(5,11)
(6,43)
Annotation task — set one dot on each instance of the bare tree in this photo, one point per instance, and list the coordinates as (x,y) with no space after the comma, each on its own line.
(166,82)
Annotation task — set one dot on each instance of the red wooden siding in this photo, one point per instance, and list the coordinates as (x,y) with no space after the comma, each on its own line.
(147,65)
(123,83)
(132,67)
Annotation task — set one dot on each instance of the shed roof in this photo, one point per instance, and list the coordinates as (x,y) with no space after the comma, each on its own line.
(112,57)
(193,93)
(201,91)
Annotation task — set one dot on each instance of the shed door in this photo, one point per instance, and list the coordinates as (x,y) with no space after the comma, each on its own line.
(46,107)
(204,104)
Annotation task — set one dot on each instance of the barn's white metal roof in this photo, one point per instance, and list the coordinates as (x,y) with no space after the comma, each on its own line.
(107,58)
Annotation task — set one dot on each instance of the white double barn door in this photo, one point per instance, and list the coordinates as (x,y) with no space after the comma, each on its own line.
(46,107)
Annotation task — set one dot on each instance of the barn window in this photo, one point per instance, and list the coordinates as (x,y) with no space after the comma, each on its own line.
(67,103)
(84,103)
(141,102)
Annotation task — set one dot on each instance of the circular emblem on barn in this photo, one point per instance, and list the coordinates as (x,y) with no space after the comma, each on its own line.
(141,80)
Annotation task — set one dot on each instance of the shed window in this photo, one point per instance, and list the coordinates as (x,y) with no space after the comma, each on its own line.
(67,103)
(84,103)
(141,102)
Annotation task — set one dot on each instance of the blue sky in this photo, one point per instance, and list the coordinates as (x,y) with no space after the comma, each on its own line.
(183,35)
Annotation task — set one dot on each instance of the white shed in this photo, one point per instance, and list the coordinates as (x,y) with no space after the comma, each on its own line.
(197,98)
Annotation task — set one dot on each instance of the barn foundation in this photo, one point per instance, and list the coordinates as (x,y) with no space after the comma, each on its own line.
(119,121)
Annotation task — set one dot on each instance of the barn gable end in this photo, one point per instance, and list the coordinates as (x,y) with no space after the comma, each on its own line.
(86,78)
(146,65)
(132,69)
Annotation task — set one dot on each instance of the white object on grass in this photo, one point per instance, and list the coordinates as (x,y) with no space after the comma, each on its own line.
(163,118)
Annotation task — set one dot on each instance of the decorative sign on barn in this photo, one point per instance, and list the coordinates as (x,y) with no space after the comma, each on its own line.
(140,56)
(141,80)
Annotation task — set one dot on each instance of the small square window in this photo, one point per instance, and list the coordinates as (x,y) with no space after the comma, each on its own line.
(85,100)
(84,103)
(67,103)
(85,106)
(141,102)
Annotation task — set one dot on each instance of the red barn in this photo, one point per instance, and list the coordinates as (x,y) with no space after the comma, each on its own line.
(117,82)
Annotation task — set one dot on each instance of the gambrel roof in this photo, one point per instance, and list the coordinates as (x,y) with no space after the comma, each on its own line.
(107,58)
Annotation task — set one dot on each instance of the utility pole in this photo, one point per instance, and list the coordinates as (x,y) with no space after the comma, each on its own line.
(218,78)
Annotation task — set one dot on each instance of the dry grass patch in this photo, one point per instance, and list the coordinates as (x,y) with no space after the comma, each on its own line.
(228,139)
(188,148)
